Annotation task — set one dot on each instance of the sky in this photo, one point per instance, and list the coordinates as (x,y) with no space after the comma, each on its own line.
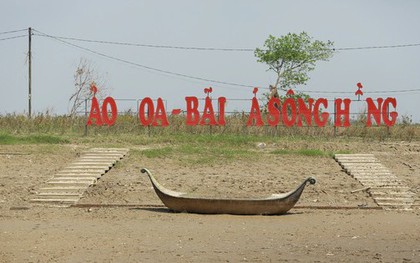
(387,72)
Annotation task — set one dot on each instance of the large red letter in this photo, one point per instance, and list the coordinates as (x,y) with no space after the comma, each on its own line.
(150,111)
(95,113)
(385,109)
(114,112)
(339,112)
(289,103)
(193,115)
(160,114)
(273,117)
(208,113)
(373,111)
(305,111)
(255,114)
(222,103)
(321,121)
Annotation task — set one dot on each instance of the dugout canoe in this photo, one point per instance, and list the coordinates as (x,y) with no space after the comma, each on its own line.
(275,204)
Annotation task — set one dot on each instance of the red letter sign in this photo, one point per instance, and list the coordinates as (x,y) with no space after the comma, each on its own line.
(340,112)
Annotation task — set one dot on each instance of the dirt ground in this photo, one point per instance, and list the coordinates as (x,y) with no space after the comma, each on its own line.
(138,233)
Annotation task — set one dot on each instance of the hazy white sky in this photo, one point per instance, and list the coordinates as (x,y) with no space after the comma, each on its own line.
(215,23)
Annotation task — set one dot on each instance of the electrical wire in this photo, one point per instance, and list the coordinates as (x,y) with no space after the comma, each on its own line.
(365,92)
(214,48)
(13,31)
(149,45)
(377,47)
(148,67)
(60,39)
(8,38)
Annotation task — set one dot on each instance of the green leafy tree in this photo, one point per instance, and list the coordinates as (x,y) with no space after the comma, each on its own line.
(292,57)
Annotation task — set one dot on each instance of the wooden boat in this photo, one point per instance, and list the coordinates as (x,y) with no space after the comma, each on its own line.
(273,205)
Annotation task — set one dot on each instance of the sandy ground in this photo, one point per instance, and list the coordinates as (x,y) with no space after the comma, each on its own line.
(31,233)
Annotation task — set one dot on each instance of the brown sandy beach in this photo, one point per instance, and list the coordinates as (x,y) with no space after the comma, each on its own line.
(147,232)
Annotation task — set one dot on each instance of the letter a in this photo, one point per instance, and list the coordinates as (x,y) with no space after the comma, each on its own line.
(95,113)
(208,113)
(160,114)
(255,114)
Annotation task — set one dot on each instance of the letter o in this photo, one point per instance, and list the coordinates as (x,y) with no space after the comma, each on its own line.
(105,117)
(292,104)
(150,111)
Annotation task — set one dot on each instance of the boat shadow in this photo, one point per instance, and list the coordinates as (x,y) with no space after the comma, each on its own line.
(169,211)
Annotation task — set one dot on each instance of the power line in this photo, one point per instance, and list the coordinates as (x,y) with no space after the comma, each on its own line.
(213,48)
(8,38)
(365,92)
(13,31)
(149,45)
(147,67)
(377,47)
(205,79)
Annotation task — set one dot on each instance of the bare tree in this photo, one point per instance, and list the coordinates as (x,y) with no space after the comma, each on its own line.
(84,77)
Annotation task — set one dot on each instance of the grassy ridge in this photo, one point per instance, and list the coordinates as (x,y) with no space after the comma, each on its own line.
(234,132)
(7,139)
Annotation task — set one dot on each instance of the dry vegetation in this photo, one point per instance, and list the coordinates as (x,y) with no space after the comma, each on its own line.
(48,124)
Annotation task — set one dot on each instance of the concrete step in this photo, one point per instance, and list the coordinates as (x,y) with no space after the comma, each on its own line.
(57,201)
(67,174)
(392,189)
(74,178)
(374,180)
(51,193)
(395,206)
(62,189)
(392,194)
(69,184)
(375,175)
(367,170)
(71,170)
(58,196)
(108,155)
(88,167)
(358,161)
(354,155)
(402,200)
(70,181)
(93,163)
(365,167)
(104,153)
(96,158)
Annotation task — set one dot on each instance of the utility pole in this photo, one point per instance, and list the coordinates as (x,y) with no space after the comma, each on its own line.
(30,74)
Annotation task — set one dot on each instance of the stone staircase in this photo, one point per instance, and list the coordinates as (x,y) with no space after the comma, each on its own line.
(68,185)
(387,190)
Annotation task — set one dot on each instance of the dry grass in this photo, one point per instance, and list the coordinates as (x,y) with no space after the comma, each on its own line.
(44,123)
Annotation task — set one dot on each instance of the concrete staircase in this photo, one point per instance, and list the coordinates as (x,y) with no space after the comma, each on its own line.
(68,185)
(387,190)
